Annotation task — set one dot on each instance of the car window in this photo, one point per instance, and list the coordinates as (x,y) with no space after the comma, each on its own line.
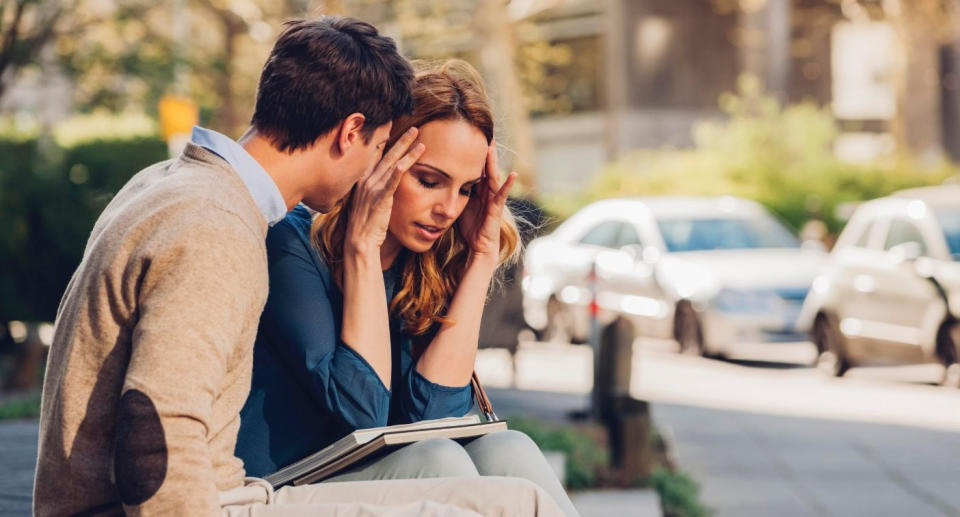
(628,235)
(949,220)
(863,241)
(605,234)
(732,233)
(902,231)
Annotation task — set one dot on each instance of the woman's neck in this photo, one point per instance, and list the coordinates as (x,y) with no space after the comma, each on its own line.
(389,251)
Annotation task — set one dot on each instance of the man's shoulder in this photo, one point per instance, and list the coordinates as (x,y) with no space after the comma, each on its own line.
(187,191)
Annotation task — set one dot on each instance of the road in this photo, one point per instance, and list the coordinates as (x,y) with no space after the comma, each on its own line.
(775,438)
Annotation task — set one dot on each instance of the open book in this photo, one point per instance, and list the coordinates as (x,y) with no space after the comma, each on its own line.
(365,442)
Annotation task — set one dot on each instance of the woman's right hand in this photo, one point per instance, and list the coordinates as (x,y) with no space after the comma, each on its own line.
(372,197)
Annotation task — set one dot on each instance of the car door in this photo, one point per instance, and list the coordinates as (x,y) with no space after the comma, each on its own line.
(853,279)
(576,284)
(901,297)
(627,282)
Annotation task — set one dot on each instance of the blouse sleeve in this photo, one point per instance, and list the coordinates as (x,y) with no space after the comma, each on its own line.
(419,398)
(302,322)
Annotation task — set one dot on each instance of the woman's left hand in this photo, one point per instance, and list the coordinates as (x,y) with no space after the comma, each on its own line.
(480,221)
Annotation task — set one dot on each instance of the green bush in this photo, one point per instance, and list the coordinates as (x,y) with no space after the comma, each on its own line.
(679,494)
(779,156)
(25,407)
(583,456)
(50,196)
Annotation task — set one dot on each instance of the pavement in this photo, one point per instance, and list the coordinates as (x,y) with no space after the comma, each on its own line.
(772,437)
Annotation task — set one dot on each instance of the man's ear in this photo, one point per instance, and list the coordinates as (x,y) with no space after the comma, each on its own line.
(350,131)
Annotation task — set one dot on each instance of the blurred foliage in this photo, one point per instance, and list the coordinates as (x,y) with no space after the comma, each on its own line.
(50,196)
(679,494)
(781,156)
(20,407)
(584,457)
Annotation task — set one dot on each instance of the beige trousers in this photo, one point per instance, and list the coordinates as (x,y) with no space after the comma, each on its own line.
(486,496)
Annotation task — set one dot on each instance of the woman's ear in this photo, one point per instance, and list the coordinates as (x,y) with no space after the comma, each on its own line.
(350,132)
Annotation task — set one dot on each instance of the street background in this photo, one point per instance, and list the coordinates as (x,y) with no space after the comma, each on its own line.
(810,108)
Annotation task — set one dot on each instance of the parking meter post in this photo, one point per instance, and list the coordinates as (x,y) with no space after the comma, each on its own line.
(594,343)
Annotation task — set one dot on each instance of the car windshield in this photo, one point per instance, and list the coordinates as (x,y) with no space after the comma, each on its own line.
(725,234)
(949,220)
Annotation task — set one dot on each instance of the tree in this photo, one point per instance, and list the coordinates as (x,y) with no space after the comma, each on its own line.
(26,26)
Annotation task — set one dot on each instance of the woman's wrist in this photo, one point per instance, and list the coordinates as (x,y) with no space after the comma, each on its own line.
(484,262)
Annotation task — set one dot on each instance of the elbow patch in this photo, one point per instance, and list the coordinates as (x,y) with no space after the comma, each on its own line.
(140,459)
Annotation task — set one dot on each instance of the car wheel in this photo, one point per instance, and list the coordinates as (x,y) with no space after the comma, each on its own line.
(558,322)
(948,351)
(687,329)
(830,344)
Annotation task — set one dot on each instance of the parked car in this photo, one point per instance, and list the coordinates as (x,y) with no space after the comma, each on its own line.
(890,291)
(710,272)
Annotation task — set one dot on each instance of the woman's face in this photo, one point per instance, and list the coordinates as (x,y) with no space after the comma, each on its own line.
(436,189)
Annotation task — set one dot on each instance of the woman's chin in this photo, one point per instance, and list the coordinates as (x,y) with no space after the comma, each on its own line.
(418,245)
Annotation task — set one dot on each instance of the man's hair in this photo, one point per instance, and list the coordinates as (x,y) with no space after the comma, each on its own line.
(322,70)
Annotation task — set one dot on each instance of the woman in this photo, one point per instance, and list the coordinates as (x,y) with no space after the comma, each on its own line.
(333,354)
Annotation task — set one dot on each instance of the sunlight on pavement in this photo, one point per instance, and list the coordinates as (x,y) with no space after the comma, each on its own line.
(899,395)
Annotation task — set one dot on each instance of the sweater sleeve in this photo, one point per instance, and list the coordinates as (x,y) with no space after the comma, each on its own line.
(196,299)
(302,323)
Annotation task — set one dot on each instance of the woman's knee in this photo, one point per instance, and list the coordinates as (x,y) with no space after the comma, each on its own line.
(441,457)
(498,452)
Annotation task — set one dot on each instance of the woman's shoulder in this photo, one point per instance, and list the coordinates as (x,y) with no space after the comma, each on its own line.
(292,235)
(292,230)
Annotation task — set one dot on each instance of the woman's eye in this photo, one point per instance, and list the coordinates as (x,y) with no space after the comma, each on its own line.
(427,184)
(466,191)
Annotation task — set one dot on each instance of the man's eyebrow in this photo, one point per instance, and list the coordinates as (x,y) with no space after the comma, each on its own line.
(443,173)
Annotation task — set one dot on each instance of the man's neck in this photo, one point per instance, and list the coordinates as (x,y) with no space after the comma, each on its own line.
(276,163)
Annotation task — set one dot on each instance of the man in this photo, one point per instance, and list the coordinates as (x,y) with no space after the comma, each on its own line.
(150,362)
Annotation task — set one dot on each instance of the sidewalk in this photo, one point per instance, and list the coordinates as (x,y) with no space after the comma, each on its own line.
(555,406)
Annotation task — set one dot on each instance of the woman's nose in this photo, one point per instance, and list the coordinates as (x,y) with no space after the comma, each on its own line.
(447,206)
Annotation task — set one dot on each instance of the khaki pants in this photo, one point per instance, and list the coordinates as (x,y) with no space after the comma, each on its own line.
(487,496)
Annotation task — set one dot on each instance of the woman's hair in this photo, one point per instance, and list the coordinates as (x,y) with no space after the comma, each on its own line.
(451,90)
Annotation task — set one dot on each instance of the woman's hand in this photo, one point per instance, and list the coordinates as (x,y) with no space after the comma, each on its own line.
(372,198)
(480,221)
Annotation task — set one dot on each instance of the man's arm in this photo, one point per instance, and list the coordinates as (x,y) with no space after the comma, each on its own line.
(197,299)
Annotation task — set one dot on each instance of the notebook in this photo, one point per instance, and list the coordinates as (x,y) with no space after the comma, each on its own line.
(364,443)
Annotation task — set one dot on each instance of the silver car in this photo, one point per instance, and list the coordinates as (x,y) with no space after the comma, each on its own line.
(710,272)
(890,292)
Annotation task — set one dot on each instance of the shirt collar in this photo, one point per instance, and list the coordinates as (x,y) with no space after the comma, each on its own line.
(261,186)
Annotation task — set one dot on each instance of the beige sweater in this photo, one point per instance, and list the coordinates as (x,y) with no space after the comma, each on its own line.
(151,358)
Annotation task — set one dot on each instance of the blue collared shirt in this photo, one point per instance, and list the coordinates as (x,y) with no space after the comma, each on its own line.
(261,186)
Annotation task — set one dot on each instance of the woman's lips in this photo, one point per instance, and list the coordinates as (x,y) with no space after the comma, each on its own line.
(428,232)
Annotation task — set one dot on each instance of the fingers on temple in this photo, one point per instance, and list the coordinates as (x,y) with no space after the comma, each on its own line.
(398,150)
(403,164)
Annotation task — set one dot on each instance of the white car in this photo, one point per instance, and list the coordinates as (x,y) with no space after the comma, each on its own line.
(890,292)
(710,272)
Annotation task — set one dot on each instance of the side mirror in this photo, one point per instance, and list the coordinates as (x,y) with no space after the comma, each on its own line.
(634,250)
(906,252)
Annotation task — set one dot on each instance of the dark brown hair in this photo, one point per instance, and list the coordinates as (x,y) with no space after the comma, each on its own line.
(322,70)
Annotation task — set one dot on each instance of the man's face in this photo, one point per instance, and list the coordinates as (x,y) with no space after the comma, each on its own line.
(359,159)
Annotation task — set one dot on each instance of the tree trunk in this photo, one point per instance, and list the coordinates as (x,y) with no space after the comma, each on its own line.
(917,125)
(498,59)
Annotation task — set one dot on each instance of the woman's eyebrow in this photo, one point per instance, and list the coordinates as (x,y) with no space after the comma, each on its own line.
(443,173)
(434,169)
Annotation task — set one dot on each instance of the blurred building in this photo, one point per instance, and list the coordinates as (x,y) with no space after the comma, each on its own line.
(639,73)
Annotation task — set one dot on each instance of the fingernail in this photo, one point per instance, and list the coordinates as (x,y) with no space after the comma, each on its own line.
(412,130)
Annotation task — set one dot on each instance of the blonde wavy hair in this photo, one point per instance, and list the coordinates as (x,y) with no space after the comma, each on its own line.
(450,90)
